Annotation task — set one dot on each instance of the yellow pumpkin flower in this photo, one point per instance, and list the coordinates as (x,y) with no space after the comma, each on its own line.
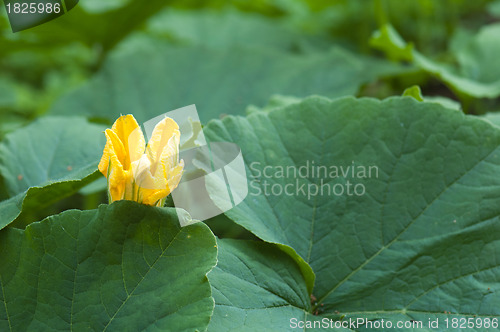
(135,171)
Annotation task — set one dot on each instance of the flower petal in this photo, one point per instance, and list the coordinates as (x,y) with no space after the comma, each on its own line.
(146,176)
(130,134)
(151,197)
(113,147)
(160,137)
(170,154)
(111,165)
(143,177)
(174,176)
(168,175)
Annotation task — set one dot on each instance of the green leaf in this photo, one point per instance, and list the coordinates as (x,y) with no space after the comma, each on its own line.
(229,28)
(477,74)
(256,286)
(275,101)
(414,92)
(50,149)
(46,161)
(216,81)
(419,235)
(494,8)
(388,40)
(493,117)
(124,266)
(445,102)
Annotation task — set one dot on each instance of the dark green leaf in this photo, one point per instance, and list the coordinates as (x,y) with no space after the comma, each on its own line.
(123,267)
(46,161)
(256,286)
(216,81)
(419,238)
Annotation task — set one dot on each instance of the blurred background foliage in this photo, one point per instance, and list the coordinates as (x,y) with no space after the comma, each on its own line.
(79,53)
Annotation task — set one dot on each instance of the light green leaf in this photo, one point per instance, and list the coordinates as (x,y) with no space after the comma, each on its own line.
(388,40)
(414,92)
(477,74)
(46,161)
(416,235)
(218,82)
(123,267)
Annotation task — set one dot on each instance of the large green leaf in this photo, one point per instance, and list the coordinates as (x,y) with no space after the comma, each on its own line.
(256,287)
(477,74)
(46,161)
(216,81)
(229,28)
(123,267)
(420,239)
(492,117)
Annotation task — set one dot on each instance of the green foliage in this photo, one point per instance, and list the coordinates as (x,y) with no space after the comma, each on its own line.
(231,28)
(115,268)
(284,80)
(477,72)
(40,169)
(218,82)
(493,118)
(30,157)
(256,286)
(414,92)
(425,226)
